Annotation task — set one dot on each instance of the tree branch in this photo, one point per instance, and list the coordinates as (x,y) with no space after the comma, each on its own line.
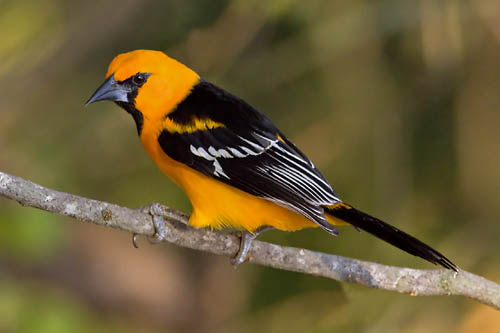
(403,280)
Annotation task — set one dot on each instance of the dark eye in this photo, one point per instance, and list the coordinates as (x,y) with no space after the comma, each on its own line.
(139,79)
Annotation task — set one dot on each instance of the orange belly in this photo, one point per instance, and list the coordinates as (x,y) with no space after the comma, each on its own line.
(217,205)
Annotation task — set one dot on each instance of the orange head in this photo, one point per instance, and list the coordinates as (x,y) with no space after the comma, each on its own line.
(147,84)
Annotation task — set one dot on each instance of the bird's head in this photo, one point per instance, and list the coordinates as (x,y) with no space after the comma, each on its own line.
(147,84)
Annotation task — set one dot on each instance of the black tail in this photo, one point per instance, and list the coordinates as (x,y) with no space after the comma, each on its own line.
(390,234)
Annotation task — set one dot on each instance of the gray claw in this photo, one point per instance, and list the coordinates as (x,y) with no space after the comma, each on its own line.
(242,255)
(156,211)
(160,232)
(246,243)
(134,240)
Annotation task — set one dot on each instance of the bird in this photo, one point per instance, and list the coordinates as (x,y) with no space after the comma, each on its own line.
(237,168)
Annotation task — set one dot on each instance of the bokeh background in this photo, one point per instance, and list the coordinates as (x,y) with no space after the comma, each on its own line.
(396,101)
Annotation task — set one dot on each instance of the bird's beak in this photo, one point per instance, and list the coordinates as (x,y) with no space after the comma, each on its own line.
(109,90)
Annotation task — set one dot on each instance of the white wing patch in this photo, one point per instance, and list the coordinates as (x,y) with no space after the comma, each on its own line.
(292,171)
(237,153)
(201,152)
(211,154)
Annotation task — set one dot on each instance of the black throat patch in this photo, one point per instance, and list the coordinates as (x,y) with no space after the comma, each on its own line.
(133,84)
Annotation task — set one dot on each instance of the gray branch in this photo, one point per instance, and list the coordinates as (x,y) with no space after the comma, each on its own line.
(402,280)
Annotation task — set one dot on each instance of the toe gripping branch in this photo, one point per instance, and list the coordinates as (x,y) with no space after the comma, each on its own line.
(246,243)
(156,211)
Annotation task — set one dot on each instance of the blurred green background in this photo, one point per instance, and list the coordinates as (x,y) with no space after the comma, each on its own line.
(396,101)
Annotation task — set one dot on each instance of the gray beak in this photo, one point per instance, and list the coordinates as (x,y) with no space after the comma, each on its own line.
(110,90)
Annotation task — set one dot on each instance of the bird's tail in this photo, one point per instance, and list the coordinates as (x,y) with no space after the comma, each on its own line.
(388,233)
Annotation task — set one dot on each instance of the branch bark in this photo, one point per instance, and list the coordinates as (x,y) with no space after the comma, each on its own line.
(402,280)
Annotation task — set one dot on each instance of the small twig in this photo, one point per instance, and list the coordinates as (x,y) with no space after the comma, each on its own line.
(402,280)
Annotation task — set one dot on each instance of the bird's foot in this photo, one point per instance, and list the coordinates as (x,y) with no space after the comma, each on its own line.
(242,255)
(246,243)
(156,210)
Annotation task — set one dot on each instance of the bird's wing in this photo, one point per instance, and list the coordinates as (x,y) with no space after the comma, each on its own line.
(246,151)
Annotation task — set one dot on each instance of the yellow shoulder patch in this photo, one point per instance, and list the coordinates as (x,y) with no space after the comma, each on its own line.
(196,124)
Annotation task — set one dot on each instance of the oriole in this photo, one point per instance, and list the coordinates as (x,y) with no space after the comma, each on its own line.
(236,167)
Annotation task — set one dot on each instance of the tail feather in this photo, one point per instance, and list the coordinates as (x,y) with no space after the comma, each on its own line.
(388,233)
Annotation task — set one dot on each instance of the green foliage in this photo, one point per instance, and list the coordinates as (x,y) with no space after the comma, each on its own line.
(30,235)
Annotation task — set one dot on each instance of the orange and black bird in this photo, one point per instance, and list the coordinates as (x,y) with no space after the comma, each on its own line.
(237,168)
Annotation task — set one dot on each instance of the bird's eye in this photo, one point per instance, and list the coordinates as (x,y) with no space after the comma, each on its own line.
(139,79)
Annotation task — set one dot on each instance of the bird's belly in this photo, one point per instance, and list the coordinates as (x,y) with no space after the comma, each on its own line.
(218,205)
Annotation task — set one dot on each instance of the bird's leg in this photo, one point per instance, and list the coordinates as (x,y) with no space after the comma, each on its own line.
(156,211)
(246,242)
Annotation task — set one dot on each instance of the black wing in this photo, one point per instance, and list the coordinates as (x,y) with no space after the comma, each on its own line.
(247,152)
